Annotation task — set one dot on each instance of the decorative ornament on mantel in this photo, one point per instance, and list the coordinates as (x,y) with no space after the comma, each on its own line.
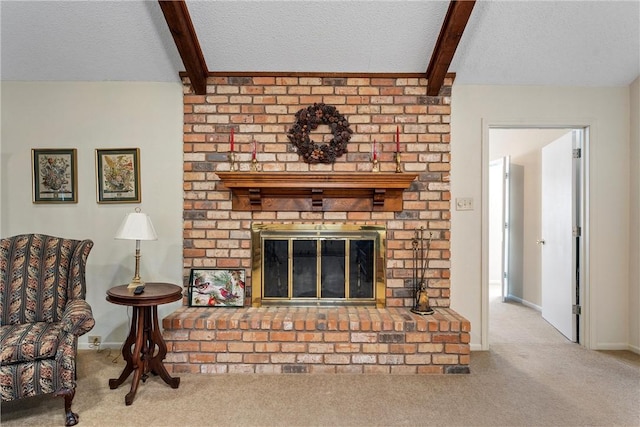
(307,120)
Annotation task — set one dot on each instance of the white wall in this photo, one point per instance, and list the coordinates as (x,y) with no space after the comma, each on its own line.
(634,197)
(606,112)
(87,116)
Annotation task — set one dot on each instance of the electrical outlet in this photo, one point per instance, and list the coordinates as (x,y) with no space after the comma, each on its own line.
(94,341)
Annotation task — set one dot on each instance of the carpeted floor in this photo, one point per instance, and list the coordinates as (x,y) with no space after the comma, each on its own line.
(531,376)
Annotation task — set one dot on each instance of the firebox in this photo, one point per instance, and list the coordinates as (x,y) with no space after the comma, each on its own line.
(318,265)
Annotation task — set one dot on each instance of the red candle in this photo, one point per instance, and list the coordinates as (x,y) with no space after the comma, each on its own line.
(253,154)
(375,151)
(231,140)
(397,139)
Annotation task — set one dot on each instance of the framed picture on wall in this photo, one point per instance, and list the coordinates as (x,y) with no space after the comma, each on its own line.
(118,175)
(54,175)
(216,287)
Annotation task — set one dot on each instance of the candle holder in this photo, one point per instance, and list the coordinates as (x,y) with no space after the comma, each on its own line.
(397,159)
(255,167)
(233,165)
(375,165)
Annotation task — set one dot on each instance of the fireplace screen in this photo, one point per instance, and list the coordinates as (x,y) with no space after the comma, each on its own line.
(318,265)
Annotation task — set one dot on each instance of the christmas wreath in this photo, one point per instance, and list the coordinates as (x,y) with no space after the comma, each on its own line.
(308,119)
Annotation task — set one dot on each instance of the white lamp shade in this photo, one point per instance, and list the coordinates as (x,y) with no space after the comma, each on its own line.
(137,226)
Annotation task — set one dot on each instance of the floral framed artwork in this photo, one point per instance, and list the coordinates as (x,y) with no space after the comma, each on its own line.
(216,287)
(118,175)
(54,175)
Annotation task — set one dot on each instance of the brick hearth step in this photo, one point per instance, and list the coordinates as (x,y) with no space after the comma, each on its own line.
(316,340)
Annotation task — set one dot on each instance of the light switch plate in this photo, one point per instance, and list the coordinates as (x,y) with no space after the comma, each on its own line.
(464,204)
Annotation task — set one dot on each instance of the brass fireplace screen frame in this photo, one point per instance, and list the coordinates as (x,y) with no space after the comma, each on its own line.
(318,232)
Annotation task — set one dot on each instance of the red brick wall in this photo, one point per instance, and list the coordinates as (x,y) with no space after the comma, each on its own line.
(263,108)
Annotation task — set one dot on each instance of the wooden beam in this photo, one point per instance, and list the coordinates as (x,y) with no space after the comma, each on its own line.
(184,35)
(321,74)
(450,34)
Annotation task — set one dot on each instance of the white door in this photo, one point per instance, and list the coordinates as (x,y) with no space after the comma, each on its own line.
(498,245)
(514,227)
(557,241)
(506,227)
(506,201)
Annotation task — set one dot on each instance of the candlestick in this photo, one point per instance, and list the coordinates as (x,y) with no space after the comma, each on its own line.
(397,139)
(232,161)
(375,165)
(374,158)
(398,166)
(254,158)
(231,140)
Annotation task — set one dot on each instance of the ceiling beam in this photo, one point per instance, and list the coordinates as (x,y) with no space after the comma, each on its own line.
(184,35)
(450,34)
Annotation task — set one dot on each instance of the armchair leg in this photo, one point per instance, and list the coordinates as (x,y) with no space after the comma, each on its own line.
(71,418)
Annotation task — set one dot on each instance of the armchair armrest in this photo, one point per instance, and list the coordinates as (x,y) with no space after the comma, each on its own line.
(77,318)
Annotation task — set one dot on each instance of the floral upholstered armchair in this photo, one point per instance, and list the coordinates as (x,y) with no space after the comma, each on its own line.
(43,308)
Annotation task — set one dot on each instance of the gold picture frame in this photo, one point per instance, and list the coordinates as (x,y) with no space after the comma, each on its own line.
(118,175)
(54,173)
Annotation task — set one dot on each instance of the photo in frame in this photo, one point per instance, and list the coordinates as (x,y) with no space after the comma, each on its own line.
(54,175)
(118,175)
(216,287)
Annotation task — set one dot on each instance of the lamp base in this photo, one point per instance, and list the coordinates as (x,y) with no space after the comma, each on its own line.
(135,283)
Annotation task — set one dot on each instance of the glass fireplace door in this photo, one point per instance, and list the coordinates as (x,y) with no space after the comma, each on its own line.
(339,266)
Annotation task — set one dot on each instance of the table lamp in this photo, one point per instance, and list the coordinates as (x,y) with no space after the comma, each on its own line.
(136,226)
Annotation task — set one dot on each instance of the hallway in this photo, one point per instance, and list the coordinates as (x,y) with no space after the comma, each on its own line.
(514,323)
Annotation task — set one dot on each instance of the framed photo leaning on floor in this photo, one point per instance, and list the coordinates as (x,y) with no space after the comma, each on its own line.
(216,287)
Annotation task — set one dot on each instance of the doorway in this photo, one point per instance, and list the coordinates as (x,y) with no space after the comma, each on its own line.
(521,265)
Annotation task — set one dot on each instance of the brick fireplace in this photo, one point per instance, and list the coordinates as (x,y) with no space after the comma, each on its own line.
(218,229)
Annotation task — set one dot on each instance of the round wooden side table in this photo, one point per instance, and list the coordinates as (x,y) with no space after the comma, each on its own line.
(139,350)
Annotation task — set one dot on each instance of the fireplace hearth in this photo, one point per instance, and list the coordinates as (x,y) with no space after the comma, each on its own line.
(318,265)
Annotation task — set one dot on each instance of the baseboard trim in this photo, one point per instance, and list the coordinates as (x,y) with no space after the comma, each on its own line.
(634,348)
(475,347)
(531,305)
(515,299)
(612,346)
(524,302)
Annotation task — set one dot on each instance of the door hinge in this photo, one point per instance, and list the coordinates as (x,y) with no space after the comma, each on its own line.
(577,153)
(577,231)
(576,309)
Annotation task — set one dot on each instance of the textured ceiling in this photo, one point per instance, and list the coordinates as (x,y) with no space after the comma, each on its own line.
(568,43)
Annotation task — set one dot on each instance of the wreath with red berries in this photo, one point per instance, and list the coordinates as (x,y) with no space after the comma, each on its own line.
(307,120)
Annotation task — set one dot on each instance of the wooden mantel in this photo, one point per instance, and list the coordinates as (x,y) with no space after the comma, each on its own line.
(317,191)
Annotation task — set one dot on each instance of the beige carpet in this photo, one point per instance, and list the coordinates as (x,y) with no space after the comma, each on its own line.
(531,377)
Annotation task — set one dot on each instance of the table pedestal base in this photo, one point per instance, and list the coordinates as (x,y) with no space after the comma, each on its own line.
(149,350)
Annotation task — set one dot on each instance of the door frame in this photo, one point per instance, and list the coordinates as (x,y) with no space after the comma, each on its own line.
(584,325)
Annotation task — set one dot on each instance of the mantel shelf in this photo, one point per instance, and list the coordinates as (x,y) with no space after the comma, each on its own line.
(317,191)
